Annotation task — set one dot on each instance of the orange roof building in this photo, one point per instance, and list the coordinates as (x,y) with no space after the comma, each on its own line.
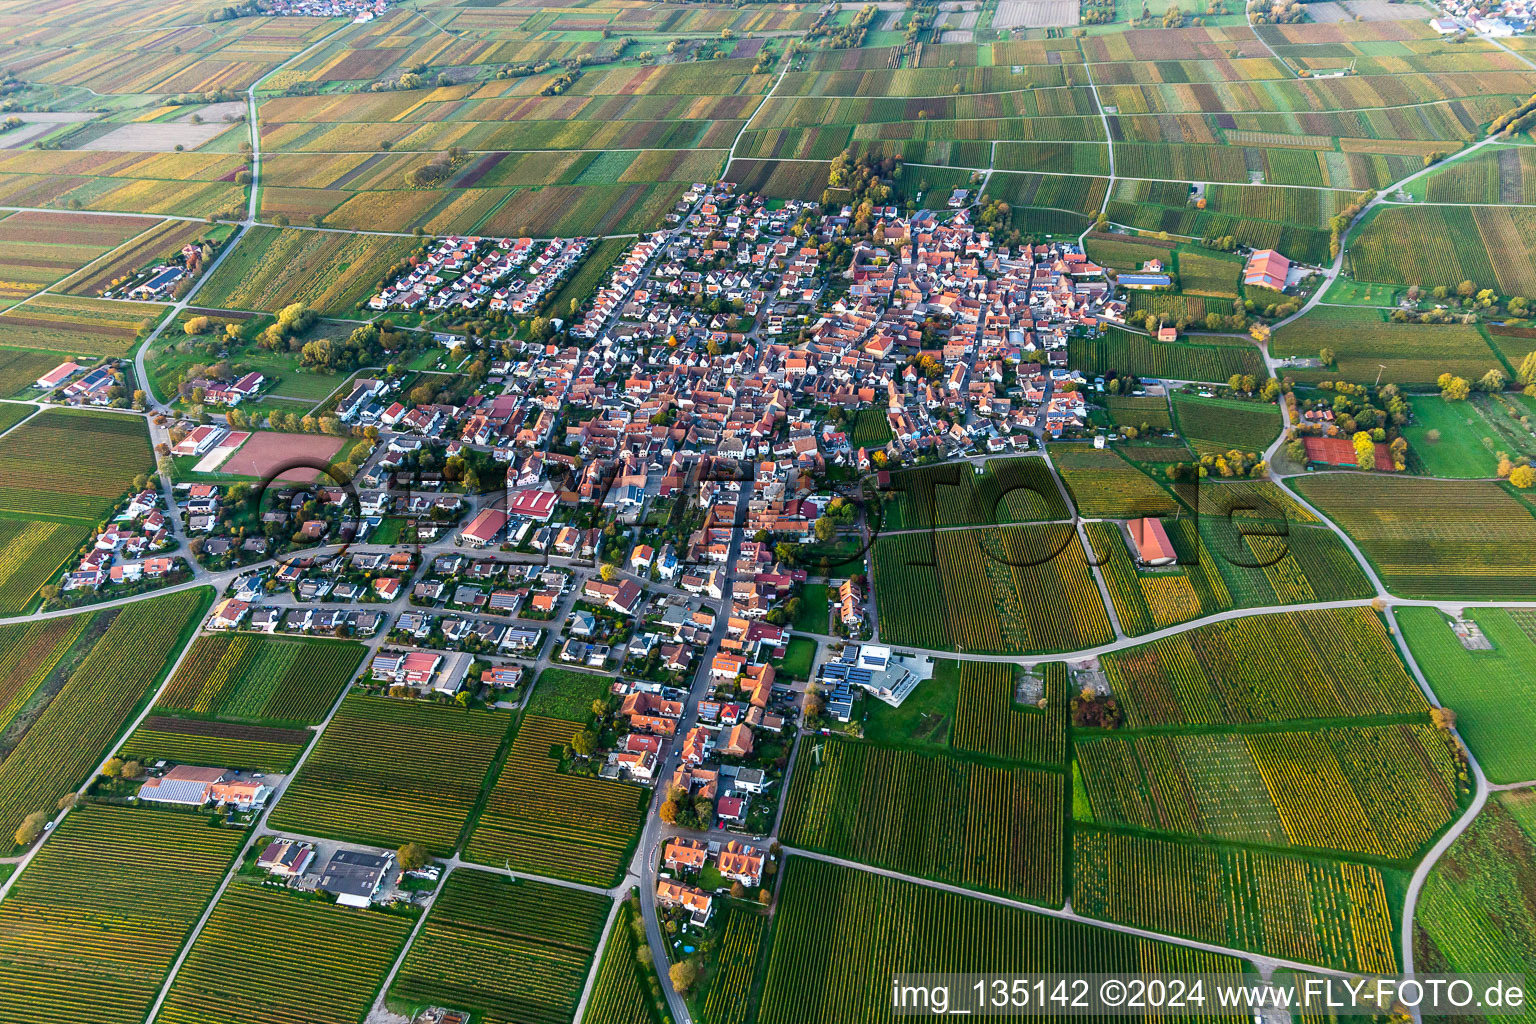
(685,855)
(698,903)
(741,863)
(1268,269)
(1151,541)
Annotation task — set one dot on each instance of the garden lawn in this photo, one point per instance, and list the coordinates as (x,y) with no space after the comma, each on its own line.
(1492,692)
(1460,428)
(798,658)
(811,616)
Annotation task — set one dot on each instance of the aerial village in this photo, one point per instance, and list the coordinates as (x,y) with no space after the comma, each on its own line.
(668,485)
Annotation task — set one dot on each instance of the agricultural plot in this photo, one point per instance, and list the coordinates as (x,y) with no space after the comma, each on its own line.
(1124,252)
(869,429)
(43,248)
(357,784)
(1292,220)
(31,552)
(1007,491)
(1445,245)
(1382,791)
(1429,538)
(1340,663)
(1507,175)
(891,927)
(1477,911)
(989,720)
(61,929)
(565,826)
(779,179)
(1103,485)
(28,654)
(1202,273)
(71,465)
(288,935)
(1316,912)
(1144,413)
(1224,563)
(237,677)
(20,369)
(987,827)
(512,951)
(1011,589)
(1136,354)
(72,733)
(188,184)
(220,744)
(77,326)
(1493,690)
(1365,345)
(143,248)
(1250,499)
(1216,425)
(730,986)
(331,273)
(621,992)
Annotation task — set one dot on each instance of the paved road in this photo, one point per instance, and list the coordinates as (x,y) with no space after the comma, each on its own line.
(644,865)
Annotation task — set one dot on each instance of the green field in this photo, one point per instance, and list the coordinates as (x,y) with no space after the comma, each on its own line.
(73,731)
(1457,450)
(1366,347)
(981,826)
(106,874)
(361,784)
(567,693)
(811,616)
(512,951)
(826,967)
(1477,911)
(1493,692)
(283,931)
(265,680)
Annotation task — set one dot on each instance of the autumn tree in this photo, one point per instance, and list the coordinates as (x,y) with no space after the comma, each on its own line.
(1453,388)
(1365,450)
(1527,372)
(683,975)
(412,856)
(31,827)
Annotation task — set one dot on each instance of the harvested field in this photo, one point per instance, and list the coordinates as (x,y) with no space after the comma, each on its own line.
(267,452)
(1035,14)
(155,137)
